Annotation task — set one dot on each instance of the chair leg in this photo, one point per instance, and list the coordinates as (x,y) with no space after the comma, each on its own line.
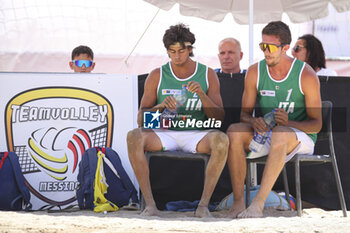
(297,188)
(339,187)
(247,186)
(286,187)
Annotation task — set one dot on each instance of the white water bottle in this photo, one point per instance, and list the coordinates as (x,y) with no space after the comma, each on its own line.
(180,98)
(259,140)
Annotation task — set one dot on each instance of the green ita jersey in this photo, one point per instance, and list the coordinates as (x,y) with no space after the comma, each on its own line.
(286,93)
(169,84)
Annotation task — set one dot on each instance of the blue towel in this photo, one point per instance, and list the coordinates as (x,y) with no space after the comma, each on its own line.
(186,206)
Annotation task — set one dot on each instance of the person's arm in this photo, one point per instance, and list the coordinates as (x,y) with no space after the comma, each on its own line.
(249,100)
(149,97)
(211,101)
(311,88)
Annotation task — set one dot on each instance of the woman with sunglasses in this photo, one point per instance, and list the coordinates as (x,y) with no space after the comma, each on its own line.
(310,50)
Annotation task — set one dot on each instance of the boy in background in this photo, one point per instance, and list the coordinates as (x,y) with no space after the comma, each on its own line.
(82,59)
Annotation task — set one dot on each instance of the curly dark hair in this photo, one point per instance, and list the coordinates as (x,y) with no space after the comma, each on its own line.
(82,49)
(279,29)
(179,33)
(315,55)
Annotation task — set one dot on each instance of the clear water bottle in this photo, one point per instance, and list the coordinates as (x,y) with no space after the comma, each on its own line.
(180,98)
(259,140)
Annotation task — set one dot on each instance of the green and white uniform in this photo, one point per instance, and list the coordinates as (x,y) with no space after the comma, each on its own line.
(185,139)
(286,93)
(169,84)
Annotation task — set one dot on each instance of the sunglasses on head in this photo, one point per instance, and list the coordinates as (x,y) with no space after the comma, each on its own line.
(297,48)
(80,63)
(271,47)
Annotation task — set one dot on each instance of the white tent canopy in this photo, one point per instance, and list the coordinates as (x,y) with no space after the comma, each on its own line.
(264,10)
(258,11)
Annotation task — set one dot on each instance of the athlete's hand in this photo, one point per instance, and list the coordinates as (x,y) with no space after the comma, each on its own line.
(195,87)
(259,125)
(281,117)
(169,102)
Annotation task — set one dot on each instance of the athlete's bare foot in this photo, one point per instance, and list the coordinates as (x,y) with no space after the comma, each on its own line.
(236,208)
(255,210)
(221,214)
(202,212)
(150,211)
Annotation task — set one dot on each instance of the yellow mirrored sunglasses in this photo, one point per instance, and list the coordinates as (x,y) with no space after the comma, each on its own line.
(271,47)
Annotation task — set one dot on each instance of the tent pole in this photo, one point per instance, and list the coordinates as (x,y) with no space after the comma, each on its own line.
(253,169)
(138,41)
(251,31)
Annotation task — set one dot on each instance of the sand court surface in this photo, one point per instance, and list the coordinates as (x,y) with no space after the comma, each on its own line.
(313,220)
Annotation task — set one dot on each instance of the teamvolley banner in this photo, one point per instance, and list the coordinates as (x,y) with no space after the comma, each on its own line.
(50,119)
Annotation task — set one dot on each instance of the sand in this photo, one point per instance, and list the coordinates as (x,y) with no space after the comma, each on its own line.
(312,220)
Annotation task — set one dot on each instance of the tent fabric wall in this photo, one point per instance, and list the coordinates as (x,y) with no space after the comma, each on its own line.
(182,180)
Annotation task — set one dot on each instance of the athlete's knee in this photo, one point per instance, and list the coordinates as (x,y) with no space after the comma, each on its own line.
(239,132)
(281,135)
(219,141)
(134,138)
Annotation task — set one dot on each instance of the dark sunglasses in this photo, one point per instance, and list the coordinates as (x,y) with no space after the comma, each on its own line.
(80,63)
(271,47)
(297,48)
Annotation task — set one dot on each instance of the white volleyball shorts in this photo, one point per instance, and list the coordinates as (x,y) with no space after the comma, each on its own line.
(186,140)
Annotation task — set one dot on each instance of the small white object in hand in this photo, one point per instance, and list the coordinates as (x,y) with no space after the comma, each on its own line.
(105,212)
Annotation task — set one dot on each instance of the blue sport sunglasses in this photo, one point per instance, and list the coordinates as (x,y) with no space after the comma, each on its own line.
(80,63)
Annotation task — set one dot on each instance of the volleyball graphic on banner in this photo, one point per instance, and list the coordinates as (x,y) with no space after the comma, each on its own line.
(49,129)
(53,150)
